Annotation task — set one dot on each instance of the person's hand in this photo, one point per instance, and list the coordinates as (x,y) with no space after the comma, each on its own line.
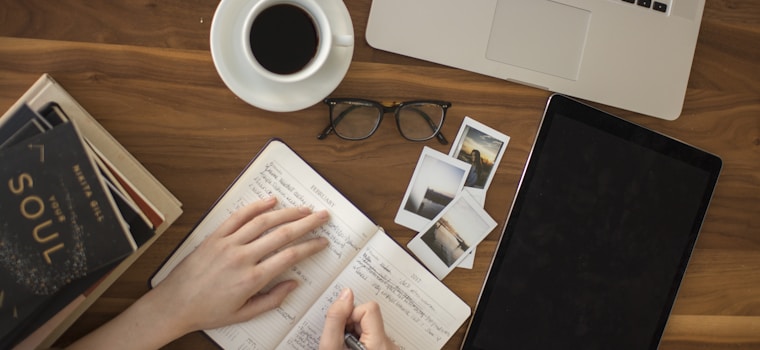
(364,320)
(221,282)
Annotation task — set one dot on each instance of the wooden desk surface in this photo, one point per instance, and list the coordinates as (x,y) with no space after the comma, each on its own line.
(144,70)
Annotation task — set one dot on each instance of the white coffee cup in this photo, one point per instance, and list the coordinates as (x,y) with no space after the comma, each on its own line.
(267,59)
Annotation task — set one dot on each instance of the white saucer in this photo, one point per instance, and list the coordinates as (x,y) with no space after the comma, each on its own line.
(230,59)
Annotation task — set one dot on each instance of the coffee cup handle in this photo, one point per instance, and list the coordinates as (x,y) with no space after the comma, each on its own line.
(343,40)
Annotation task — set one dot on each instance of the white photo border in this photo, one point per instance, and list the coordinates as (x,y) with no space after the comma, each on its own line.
(470,224)
(473,131)
(449,175)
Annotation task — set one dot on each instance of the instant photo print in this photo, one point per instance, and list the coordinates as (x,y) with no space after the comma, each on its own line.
(482,147)
(437,179)
(450,236)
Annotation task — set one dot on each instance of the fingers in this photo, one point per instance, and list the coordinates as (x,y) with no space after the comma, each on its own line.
(288,224)
(223,280)
(293,225)
(335,321)
(260,224)
(284,259)
(249,223)
(368,322)
(263,302)
(244,215)
(273,266)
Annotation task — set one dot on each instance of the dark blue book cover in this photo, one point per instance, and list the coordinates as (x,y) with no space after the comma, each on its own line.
(59,221)
(15,122)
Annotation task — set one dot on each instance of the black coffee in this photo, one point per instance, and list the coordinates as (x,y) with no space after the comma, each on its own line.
(283,39)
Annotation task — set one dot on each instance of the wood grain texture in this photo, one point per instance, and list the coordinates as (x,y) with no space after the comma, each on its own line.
(144,70)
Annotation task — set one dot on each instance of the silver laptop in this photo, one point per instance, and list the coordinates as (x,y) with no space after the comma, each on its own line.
(631,54)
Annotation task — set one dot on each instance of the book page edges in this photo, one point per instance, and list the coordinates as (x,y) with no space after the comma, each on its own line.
(46,90)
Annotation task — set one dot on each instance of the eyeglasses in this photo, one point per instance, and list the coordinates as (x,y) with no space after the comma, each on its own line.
(357,119)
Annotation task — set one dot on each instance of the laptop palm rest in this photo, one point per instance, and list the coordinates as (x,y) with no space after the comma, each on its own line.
(541,36)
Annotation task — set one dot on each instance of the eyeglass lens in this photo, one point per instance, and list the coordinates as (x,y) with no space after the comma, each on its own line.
(416,121)
(419,121)
(353,120)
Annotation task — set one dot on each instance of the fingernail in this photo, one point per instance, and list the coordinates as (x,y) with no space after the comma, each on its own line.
(304,210)
(323,214)
(344,294)
(270,199)
(292,285)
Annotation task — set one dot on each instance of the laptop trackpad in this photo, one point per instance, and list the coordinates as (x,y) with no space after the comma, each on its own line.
(539,35)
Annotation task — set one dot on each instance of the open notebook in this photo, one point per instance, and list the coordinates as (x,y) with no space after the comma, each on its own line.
(419,311)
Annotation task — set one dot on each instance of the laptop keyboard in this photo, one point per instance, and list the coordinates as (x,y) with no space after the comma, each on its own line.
(661,6)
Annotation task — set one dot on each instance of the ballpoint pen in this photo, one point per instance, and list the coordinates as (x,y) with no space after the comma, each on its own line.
(353,343)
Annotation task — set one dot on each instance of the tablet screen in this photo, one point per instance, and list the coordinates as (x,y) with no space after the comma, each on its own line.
(598,238)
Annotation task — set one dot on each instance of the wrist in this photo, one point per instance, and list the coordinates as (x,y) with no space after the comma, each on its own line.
(156,309)
(146,324)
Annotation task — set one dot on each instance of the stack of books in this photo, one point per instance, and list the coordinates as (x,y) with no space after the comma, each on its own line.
(78,210)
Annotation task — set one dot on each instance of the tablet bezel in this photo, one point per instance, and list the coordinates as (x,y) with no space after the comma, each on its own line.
(559,104)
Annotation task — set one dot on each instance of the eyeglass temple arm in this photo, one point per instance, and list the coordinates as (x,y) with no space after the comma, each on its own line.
(328,129)
(442,139)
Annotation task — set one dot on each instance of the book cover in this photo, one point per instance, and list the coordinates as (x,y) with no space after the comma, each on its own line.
(152,194)
(15,122)
(21,125)
(59,221)
(48,308)
(139,224)
(51,115)
(57,106)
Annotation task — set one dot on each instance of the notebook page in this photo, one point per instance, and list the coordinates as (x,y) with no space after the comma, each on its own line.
(419,311)
(280,172)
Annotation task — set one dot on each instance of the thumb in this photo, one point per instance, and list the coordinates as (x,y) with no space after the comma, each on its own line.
(335,321)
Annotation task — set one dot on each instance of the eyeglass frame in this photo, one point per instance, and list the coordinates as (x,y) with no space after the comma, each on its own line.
(384,109)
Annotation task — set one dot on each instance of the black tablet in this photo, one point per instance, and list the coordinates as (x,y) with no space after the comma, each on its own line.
(598,236)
